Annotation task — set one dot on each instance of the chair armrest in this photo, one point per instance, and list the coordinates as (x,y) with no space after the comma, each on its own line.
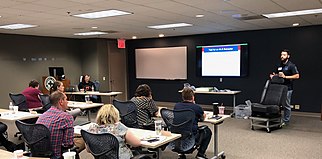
(202,127)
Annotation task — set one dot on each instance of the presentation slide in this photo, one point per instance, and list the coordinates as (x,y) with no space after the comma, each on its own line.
(221,60)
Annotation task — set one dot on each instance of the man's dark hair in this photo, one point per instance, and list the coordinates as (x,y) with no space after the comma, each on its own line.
(143,90)
(187,93)
(287,51)
(33,83)
(55,97)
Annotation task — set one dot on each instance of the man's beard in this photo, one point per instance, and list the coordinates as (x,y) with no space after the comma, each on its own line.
(284,60)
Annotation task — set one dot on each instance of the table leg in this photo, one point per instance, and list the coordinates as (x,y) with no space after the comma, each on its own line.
(216,154)
(88,115)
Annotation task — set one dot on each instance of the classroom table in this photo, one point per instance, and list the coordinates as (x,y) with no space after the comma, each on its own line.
(9,118)
(229,93)
(141,134)
(111,94)
(84,106)
(216,122)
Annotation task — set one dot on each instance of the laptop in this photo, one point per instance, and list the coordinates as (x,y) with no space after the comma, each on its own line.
(72,88)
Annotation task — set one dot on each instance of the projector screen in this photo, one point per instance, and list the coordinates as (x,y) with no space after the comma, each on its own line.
(168,63)
(223,60)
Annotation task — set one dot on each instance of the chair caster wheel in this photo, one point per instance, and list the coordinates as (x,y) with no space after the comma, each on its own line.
(268,131)
(223,156)
(252,128)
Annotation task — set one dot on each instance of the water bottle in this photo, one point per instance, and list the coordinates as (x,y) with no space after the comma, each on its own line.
(93,89)
(10,106)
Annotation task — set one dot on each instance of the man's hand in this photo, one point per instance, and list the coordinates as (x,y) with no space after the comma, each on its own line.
(271,75)
(281,74)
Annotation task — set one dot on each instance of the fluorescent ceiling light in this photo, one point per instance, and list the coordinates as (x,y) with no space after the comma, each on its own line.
(165,26)
(161,35)
(91,33)
(296,24)
(134,37)
(17,26)
(94,27)
(199,15)
(294,13)
(102,14)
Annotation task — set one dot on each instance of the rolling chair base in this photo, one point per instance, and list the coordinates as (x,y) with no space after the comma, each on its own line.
(267,123)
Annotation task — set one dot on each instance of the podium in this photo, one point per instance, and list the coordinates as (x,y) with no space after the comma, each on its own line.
(66,83)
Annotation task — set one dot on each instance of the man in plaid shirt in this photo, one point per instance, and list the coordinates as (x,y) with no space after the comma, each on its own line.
(59,122)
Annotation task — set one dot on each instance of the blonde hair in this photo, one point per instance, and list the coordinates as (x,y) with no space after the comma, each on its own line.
(108,114)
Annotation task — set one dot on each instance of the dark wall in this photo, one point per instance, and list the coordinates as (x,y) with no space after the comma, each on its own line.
(264,52)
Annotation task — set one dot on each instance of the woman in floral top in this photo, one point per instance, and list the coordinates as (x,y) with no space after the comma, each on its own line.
(107,120)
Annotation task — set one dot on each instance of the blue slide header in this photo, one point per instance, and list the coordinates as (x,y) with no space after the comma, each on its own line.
(220,49)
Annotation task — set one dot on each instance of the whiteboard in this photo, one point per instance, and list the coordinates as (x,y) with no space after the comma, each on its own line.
(161,63)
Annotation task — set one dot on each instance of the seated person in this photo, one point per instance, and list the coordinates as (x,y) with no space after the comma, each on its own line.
(108,116)
(4,141)
(32,95)
(189,103)
(57,86)
(145,105)
(60,124)
(88,85)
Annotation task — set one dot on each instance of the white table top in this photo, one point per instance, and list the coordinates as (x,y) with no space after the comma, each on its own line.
(83,105)
(218,93)
(94,93)
(214,121)
(141,133)
(12,116)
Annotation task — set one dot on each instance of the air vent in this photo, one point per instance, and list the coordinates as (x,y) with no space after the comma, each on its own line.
(247,17)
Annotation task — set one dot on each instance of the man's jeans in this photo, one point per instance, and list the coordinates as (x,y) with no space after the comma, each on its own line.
(287,108)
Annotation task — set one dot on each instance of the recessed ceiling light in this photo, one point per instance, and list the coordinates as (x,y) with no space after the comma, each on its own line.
(199,15)
(90,33)
(17,26)
(296,24)
(102,14)
(294,13)
(165,26)
(94,27)
(134,37)
(161,35)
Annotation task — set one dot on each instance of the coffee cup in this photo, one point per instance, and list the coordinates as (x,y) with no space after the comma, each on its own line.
(69,155)
(221,110)
(18,154)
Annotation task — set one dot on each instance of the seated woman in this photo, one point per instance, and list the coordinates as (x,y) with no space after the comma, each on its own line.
(108,116)
(57,86)
(87,85)
(146,106)
(32,95)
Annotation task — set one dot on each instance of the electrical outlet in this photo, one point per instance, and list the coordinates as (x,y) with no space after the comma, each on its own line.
(103,78)
(297,106)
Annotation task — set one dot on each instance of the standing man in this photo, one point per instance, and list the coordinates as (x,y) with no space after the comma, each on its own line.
(188,97)
(59,123)
(288,71)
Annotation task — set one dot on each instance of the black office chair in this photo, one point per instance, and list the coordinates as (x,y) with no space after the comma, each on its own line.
(268,111)
(128,113)
(104,146)
(37,138)
(181,122)
(45,102)
(19,100)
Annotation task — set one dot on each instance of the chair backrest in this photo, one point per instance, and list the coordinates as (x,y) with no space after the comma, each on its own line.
(45,101)
(101,146)
(19,100)
(97,85)
(180,121)
(275,95)
(128,113)
(37,137)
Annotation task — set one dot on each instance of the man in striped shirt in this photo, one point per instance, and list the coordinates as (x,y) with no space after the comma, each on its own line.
(59,122)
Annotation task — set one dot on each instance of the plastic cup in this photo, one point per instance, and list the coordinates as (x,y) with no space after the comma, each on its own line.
(69,155)
(18,154)
(15,109)
(87,99)
(158,127)
(221,110)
